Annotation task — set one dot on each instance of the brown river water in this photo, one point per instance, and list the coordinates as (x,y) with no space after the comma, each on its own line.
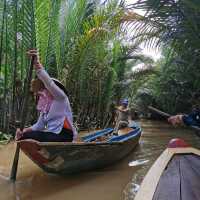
(117,182)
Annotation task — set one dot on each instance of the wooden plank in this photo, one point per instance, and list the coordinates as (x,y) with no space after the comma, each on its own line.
(152,178)
(150,182)
(170,183)
(190,177)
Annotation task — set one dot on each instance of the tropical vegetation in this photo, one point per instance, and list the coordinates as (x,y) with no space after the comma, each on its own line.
(80,42)
(92,46)
(174,27)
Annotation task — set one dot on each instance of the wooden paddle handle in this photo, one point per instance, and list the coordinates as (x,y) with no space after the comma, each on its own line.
(23,116)
(166,115)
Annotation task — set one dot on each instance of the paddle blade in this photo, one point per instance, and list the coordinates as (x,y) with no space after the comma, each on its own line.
(13,173)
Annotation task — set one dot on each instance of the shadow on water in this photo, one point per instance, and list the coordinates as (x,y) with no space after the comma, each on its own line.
(116,182)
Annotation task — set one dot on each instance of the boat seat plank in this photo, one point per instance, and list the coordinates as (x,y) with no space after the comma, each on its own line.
(190,176)
(180,180)
(168,187)
(97,134)
(155,174)
(122,138)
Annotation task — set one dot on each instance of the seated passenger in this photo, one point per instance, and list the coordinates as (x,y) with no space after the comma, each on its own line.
(55,123)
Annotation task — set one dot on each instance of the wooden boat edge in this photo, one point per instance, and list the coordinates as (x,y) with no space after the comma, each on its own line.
(65,143)
(74,143)
(152,178)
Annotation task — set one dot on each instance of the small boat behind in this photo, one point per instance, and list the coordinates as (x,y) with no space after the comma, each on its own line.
(95,150)
(196,129)
(174,176)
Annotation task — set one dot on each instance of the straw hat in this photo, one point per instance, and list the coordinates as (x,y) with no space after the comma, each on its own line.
(37,84)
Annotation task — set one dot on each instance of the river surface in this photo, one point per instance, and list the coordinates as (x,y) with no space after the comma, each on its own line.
(116,182)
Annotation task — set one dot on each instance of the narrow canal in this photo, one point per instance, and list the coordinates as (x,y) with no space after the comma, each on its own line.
(117,182)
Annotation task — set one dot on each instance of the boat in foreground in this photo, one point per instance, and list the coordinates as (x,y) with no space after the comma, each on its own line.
(174,176)
(96,150)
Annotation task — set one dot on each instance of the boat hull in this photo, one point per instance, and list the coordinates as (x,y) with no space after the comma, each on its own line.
(67,158)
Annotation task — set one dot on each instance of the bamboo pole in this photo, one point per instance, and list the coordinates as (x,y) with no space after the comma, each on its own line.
(24,109)
(23,119)
(164,114)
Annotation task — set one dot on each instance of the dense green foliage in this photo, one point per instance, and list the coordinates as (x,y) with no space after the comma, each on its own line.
(80,42)
(85,45)
(173,25)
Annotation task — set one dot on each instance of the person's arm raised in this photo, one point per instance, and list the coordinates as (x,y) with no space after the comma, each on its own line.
(55,91)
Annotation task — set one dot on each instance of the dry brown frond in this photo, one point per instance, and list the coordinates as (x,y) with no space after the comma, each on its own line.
(131,16)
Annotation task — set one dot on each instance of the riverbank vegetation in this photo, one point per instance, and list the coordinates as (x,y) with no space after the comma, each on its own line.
(173,25)
(92,46)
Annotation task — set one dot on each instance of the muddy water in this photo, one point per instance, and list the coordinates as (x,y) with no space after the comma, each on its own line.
(117,182)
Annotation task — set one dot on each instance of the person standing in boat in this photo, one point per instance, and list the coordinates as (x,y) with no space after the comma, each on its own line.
(192,119)
(55,123)
(122,115)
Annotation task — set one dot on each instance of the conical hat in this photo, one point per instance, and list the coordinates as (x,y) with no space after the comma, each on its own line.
(60,85)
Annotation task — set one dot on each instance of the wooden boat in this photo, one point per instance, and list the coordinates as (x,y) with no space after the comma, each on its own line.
(174,176)
(91,153)
(196,129)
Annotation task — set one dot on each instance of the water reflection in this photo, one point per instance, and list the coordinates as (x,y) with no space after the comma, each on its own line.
(117,182)
(131,190)
(137,162)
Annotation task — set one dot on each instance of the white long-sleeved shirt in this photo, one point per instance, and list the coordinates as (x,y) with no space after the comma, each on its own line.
(60,109)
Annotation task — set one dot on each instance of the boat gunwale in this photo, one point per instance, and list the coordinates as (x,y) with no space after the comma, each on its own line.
(81,143)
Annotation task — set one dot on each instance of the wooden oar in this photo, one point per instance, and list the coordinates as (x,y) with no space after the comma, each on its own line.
(166,115)
(161,113)
(23,116)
